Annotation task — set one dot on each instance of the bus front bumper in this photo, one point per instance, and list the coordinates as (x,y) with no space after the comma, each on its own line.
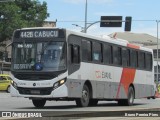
(59,92)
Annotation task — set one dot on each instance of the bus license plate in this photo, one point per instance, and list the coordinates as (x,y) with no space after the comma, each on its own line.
(35,92)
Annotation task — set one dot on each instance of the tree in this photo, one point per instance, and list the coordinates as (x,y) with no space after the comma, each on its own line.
(19,14)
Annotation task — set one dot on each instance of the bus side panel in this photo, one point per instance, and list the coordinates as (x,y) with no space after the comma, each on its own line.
(74,87)
(143,91)
(144,84)
(122,93)
(107,82)
(104,81)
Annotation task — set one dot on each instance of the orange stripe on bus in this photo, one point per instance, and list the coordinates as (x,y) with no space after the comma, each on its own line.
(133,46)
(127,78)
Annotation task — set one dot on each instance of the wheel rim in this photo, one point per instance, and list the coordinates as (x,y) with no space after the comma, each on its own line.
(131,97)
(85,97)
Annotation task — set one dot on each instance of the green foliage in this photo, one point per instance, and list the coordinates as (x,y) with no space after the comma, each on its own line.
(20,14)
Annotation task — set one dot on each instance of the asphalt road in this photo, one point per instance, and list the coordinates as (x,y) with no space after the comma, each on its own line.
(60,108)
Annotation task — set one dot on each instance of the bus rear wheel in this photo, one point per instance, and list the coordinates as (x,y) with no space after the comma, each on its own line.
(39,103)
(130,98)
(84,100)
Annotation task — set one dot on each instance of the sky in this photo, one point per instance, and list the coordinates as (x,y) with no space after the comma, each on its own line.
(144,14)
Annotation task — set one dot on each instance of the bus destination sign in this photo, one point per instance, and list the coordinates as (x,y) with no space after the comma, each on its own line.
(39,34)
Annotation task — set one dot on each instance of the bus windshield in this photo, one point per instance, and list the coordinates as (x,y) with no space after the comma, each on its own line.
(39,56)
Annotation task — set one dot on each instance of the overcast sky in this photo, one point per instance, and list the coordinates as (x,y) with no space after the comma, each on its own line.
(67,12)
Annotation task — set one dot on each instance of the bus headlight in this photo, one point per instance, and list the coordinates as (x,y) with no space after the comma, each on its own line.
(14,84)
(58,83)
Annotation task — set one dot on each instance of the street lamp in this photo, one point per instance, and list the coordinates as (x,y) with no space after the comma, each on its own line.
(82,28)
(157,21)
(85,23)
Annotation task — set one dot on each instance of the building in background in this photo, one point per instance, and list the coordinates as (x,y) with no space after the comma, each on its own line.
(49,23)
(136,38)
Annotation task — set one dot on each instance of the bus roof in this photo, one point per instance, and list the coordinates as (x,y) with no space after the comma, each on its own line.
(103,39)
(110,40)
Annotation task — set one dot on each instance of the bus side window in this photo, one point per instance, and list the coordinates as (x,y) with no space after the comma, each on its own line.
(133,58)
(96,52)
(125,57)
(148,61)
(141,60)
(107,54)
(75,54)
(117,58)
(86,51)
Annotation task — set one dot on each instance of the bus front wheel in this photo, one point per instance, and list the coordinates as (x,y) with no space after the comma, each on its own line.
(39,103)
(84,100)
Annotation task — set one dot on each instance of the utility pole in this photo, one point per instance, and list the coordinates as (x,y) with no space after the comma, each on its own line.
(157,21)
(85,24)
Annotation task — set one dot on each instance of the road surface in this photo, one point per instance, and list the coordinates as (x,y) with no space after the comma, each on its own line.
(105,109)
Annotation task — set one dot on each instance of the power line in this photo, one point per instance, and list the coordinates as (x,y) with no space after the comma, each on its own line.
(97,20)
(145,20)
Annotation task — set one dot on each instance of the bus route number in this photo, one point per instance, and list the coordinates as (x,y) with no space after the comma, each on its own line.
(38,34)
(26,34)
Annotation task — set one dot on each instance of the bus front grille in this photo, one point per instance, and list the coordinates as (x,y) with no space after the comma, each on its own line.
(35,91)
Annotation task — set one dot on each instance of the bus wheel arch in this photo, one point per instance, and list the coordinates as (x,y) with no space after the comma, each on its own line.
(131,85)
(86,95)
(130,97)
(88,83)
(92,101)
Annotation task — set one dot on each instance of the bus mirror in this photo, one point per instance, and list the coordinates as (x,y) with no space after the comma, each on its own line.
(75,54)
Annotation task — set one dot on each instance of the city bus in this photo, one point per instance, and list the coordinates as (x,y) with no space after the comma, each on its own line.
(60,64)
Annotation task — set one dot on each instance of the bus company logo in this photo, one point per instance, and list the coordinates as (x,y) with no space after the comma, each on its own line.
(34,84)
(98,74)
(102,74)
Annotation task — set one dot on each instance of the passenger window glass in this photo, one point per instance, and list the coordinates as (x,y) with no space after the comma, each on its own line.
(86,50)
(107,54)
(133,58)
(117,59)
(9,78)
(97,52)
(75,56)
(148,61)
(125,57)
(141,62)
(2,78)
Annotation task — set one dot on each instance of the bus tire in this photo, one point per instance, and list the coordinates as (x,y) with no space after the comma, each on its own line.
(84,100)
(130,98)
(93,102)
(39,103)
